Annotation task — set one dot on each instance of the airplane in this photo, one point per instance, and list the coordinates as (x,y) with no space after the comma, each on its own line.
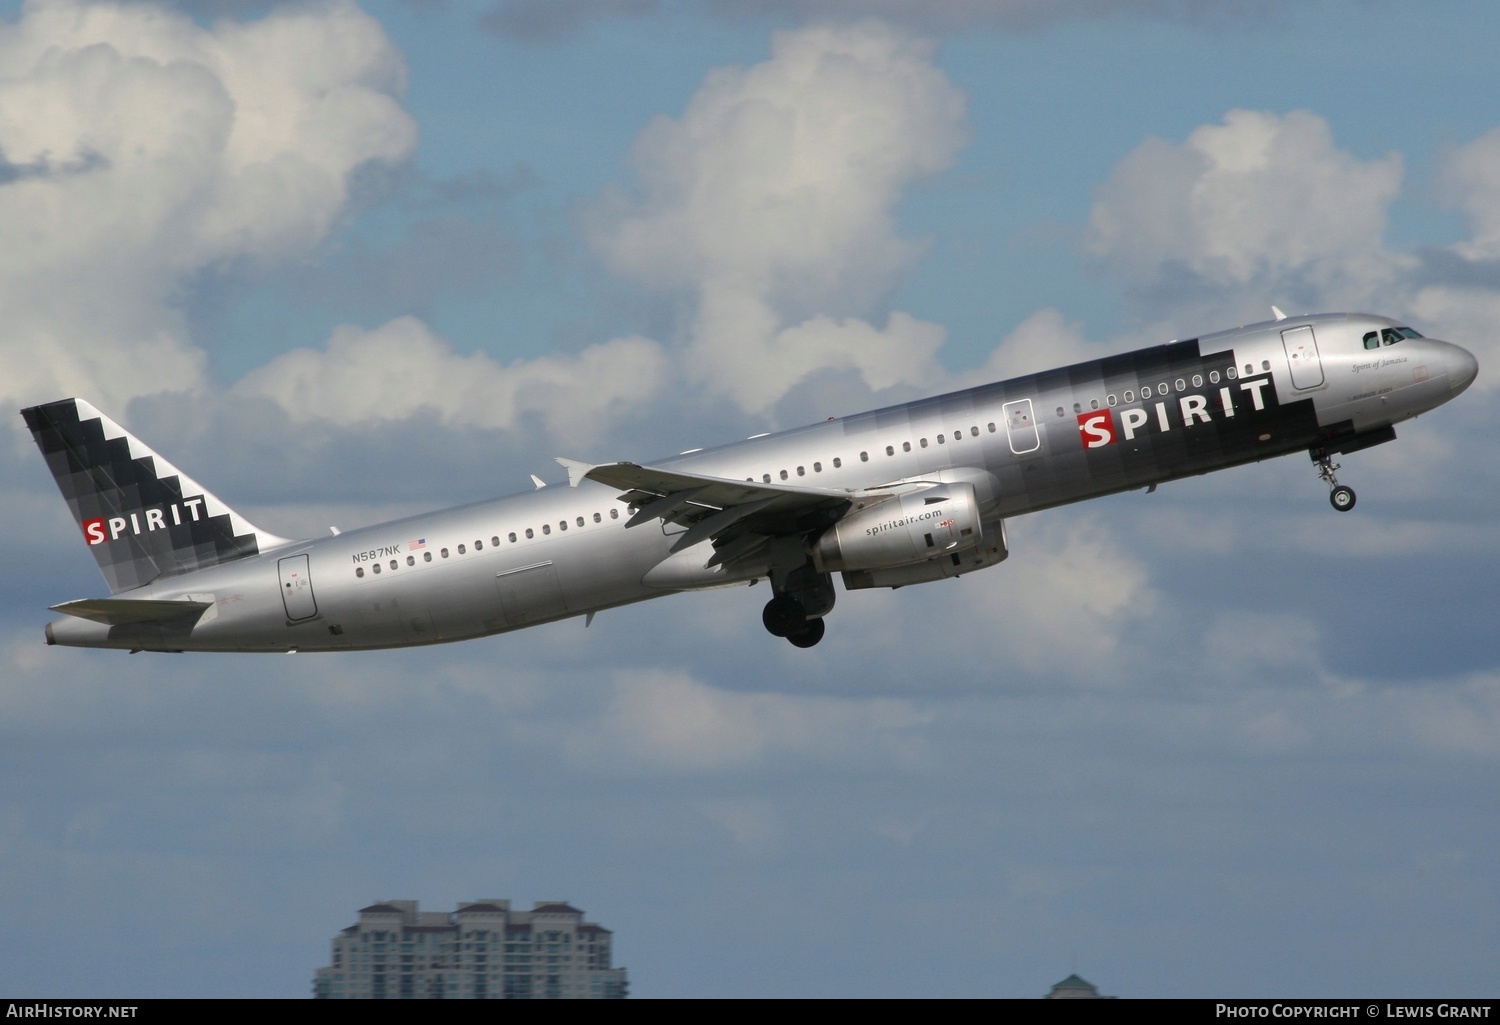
(904,495)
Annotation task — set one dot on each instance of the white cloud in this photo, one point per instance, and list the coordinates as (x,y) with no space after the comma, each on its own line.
(1062,607)
(1043,341)
(769,202)
(1065,605)
(401,369)
(1470,180)
(661,720)
(1256,200)
(1466,316)
(141,148)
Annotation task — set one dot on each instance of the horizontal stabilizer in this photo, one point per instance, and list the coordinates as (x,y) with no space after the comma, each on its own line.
(129,612)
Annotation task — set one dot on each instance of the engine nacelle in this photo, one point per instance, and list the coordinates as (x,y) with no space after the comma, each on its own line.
(989,552)
(932,523)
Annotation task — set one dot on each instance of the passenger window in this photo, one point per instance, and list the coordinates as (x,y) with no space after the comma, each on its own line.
(1077,408)
(924,442)
(801,472)
(359,571)
(1181,384)
(1265,364)
(1130,396)
(443,552)
(546,529)
(974,430)
(411,560)
(1093,403)
(783,475)
(426,556)
(562,524)
(906,446)
(1061,411)
(529,535)
(837,462)
(394,564)
(495,542)
(1146,391)
(1197,380)
(942,439)
(1231,373)
(376,567)
(614,514)
(1249,369)
(890,450)
(766,479)
(460,549)
(1213,377)
(479,546)
(992,428)
(1111,399)
(598,518)
(817,467)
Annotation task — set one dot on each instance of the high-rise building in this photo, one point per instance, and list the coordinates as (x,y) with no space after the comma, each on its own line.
(1074,987)
(482,950)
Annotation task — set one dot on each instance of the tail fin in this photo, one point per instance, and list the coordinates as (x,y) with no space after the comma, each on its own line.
(141,516)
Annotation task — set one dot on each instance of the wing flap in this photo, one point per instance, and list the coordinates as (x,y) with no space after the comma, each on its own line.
(717,508)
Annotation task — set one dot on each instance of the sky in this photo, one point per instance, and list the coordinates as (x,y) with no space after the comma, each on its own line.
(343,262)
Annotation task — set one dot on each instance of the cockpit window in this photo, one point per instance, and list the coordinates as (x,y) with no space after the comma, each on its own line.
(1388,336)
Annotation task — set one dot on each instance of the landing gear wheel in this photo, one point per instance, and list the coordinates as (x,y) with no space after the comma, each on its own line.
(783,616)
(1340,496)
(809,635)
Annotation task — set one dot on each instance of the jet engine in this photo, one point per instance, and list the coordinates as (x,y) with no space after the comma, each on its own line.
(989,552)
(931,523)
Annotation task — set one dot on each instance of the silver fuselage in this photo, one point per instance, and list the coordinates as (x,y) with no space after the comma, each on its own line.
(1041,440)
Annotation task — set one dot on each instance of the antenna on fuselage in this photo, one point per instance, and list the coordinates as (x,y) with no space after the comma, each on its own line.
(1277,313)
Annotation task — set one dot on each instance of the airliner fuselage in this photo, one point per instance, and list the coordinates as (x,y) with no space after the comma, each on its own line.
(902,495)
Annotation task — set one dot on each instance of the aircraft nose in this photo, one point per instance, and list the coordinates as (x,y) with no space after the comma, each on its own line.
(1462,368)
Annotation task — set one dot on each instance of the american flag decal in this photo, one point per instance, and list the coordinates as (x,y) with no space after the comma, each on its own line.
(417,545)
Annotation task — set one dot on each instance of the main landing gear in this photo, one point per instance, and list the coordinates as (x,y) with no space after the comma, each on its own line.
(1340,496)
(803,597)
(784,616)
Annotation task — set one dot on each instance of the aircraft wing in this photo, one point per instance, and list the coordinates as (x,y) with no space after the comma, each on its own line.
(717,509)
(127,611)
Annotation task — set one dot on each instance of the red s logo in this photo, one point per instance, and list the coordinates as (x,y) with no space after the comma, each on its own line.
(93,531)
(1096,429)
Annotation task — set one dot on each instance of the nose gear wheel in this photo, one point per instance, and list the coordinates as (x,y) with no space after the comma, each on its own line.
(1340,496)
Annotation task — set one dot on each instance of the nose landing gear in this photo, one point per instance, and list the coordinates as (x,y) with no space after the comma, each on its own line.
(1340,496)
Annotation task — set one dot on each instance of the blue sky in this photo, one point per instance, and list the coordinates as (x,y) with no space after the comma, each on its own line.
(345,262)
